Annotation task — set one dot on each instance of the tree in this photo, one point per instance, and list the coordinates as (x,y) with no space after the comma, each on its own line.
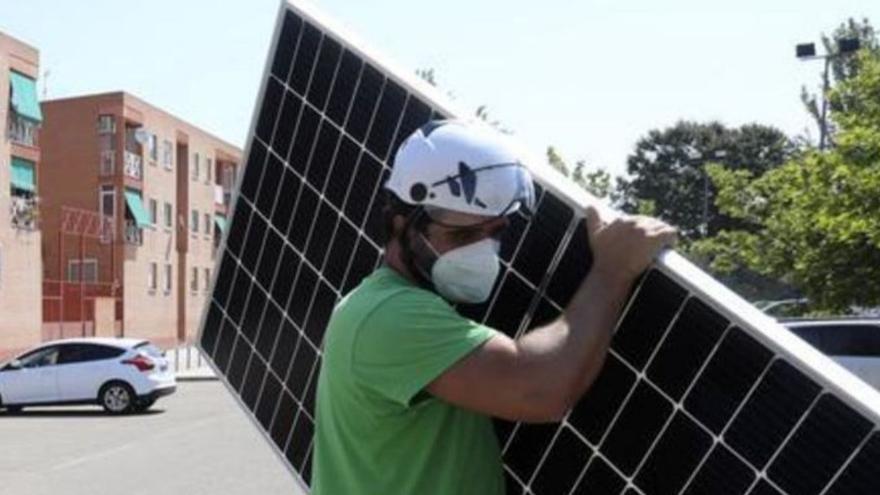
(596,182)
(427,75)
(814,221)
(668,177)
(842,68)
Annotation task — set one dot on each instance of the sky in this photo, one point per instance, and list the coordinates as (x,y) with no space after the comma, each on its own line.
(589,77)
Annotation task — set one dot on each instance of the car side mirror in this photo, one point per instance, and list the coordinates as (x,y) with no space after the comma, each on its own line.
(15,364)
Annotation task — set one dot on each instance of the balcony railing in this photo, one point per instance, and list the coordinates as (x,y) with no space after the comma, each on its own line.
(108,162)
(24,212)
(134,165)
(22,131)
(133,234)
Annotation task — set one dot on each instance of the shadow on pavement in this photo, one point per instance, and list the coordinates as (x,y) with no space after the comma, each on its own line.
(74,413)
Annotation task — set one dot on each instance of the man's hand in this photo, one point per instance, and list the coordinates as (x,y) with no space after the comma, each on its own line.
(625,246)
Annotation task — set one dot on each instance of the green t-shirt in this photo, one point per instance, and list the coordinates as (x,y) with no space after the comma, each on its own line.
(378,431)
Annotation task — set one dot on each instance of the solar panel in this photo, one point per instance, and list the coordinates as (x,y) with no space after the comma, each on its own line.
(701,393)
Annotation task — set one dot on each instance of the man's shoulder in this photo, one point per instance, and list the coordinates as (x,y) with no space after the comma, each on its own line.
(383,293)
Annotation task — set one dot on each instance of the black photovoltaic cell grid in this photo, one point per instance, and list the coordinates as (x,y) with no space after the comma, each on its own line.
(687,402)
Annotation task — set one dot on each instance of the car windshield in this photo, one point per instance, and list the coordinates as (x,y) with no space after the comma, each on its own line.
(149,349)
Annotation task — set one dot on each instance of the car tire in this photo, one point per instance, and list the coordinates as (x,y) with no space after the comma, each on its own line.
(143,405)
(10,409)
(117,397)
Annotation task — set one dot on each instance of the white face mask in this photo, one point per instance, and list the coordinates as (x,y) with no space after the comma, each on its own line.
(467,274)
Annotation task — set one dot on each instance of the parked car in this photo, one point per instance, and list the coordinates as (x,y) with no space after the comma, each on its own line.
(121,375)
(854,343)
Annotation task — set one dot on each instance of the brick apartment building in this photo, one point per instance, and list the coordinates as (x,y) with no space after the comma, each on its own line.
(133,202)
(20,167)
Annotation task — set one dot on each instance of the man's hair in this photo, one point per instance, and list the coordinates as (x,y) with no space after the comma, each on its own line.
(393,207)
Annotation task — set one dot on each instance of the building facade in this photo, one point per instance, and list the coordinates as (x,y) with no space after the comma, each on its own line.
(133,206)
(20,169)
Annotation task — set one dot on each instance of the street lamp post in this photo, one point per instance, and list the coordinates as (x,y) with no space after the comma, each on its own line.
(695,156)
(807,51)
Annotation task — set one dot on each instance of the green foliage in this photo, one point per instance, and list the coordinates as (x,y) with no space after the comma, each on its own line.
(815,221)
(596,182)
(427,75)
(668,178)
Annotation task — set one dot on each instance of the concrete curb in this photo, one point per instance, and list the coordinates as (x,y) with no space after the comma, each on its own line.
(196,378)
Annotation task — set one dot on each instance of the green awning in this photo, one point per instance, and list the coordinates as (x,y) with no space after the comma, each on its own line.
(24,96)
(136,207)
(23,175)
(220,222)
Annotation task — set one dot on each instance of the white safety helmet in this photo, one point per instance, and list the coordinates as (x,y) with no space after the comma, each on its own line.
(461,166)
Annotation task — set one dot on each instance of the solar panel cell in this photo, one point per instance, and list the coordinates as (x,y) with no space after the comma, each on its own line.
(675,456)
(306,53)
(324,71)
(786,394)
(599,477)
(560,469)
(639,423)
(722,473)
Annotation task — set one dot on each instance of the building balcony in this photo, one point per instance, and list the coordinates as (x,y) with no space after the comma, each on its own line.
(108,162)
(134,165)
(133,234)
(22,131)
(24,212)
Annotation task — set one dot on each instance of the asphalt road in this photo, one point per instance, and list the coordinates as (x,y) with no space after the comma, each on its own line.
(194,442)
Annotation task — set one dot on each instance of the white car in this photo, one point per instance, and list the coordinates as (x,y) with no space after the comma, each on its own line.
(853,342)
(122,375)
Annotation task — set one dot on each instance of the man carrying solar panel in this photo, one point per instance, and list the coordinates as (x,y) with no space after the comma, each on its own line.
(407,385)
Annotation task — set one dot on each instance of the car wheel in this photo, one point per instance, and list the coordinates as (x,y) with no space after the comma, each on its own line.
(9,409)
(143,405)
(117,398)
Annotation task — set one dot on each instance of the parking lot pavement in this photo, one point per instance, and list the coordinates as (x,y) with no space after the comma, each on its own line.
(196,441)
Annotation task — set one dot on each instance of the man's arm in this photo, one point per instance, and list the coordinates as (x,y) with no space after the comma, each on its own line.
(540,376)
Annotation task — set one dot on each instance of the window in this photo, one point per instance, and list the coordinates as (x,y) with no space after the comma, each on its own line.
(207,278)
(207,225)
(169,215)
(89,270)
(228,177)
(107,199)
(152,275)
(209,170)
(46,356)
(836,339)
(153,147)
(154,211)
(195,168)
(82,353)
(106,142)
(168,274)
(167,154)
(194,281)
(106,124)
(194,223)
